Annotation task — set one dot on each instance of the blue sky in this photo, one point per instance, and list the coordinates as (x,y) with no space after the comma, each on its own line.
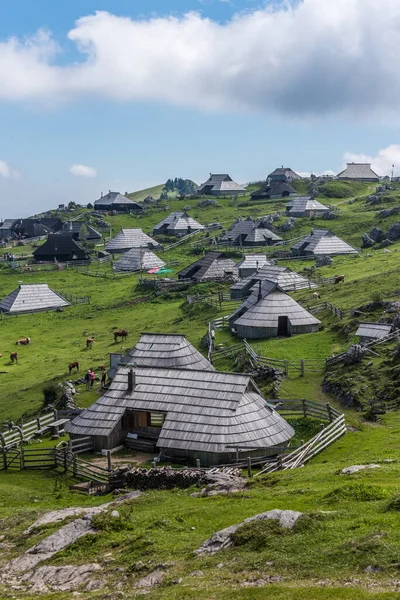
(134,97)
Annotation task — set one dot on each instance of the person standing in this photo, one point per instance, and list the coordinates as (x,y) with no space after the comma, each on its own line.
(87,379)
(92,377)
(103,379)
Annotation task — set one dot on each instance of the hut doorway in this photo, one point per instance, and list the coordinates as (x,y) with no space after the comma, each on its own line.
(283,326)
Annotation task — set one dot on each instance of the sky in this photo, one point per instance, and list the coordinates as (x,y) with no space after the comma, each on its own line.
(124,94)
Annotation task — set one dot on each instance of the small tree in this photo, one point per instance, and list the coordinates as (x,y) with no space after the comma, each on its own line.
(50,393)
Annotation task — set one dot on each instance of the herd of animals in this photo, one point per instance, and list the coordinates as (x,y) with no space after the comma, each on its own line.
(119,334)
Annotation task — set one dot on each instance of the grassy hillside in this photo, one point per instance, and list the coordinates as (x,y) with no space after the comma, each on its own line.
(347,546)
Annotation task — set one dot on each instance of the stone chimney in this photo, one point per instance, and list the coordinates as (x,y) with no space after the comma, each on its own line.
(259,291)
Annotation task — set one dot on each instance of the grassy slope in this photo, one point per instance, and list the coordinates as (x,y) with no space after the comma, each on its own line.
(357,534)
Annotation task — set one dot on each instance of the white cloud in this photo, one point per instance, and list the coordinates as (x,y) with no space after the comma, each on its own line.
(382,162)
(83,171)
(7,171)
(300,58)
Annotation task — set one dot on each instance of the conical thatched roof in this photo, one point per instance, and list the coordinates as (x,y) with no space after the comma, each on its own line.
(322,242)
(32,298)
(138,259)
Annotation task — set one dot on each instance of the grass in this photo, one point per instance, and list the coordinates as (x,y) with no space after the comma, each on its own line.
(350,523)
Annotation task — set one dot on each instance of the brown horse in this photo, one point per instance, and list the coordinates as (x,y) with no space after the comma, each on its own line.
(339,279)
(73,365)
(89,342)
(121,333)
(23,342)
(14,357)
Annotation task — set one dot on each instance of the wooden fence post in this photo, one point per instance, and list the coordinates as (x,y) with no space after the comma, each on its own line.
(285,367)
(21,457)
(329,409)
(304,404)
(74,465)
(302,367)
(249,471)
(4,453)
(198,463)
(280,463)
(109,462)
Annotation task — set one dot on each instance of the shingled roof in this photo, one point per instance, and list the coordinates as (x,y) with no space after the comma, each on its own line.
(252,262)
(115,199)
(288,281)
(359,171)
(74,228)
(177,222)
(138,259)
(205,411)
(167,351)
(213,265)
(375,331)
(322,242)
(130,238)
(274,189)
(219,184)
(60,246)
(28,298)
(249,232)
(302,205)
(284,172)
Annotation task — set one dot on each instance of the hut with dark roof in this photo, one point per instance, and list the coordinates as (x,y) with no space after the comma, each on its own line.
(274,189)
(251,263)
(184,415)
(322,242)
(213,265)
(248,232)
(118,202)
(270,312)
(60,247)
(287,280)
(178,224)
(75,229)
(32,298)
(130,238)
(305,206)
(368,332)
(138,259)
(6,228)
(165,351)
(283,174)
(359,172)
(220,185)
(30,228)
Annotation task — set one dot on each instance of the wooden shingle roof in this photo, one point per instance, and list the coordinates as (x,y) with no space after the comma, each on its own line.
(374,330)
(220,183)
(29,298)
(250,231)
(213,265)
(205,411)
(301,204)
(322,242)
(114,199)
(358,171)
(130,238)
(138,259)
(60,244)
(177,221)
(288,280)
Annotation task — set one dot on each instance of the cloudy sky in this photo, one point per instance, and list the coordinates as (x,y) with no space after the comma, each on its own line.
(123,94)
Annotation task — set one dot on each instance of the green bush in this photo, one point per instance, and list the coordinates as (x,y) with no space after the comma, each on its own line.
(50,393)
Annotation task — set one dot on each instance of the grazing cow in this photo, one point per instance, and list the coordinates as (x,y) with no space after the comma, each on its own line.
(121,333)
(73,365)
(316,296)
(339,279)
(23,342)
(89,342)
(14,357)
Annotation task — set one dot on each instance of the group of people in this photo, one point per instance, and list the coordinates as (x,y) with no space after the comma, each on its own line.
(90,377)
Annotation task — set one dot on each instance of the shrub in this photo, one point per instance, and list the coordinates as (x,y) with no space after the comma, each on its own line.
(393,504)
(358,492)
(50,393)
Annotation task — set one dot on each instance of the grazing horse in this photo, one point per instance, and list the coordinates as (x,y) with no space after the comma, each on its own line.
(339,279)
(121,333)
(73,365)
(14,357)
(316,296)
(89,342)
(23,342)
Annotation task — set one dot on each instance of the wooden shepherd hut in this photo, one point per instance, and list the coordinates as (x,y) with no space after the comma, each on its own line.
(60,247)
(32,298)
(322,242)
(251,263)
(184,415)
(269,312)
(213,265)
(220,185)
(373,331)
(138,259)
(248,232)
(305,206)
(177,224)
(118,202)
(274,189)
(130,238)
(288,281)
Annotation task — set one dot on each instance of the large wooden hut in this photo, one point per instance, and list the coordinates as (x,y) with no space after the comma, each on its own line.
(359,172)
(213,265)
(32,298)
(288,281)
(322,242)
(118,202)
(251,263)
(220,185)
(249,232)
(130,238)
(60,247)
(177,224)
(138,259)
(184,415)
(274,189)
(270,312)
(369,332)
(305,206)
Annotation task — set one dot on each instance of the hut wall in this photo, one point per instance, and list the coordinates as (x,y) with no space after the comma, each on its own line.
(299,329)
(211,459)
(243,272)
(255,333)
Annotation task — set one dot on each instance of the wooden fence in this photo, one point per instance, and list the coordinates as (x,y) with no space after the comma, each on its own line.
(338,312)
(334,360)
(26,431)
(303,365)
(75,300)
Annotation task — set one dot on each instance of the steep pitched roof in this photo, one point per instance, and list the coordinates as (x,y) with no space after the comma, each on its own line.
(130,238)
(74,227)
(264,312)
(274,188)
(220,183)
(138,259)
(284,172)
(249,231)
(115,198)
(211,265)
(32,298)
(205,411)
(374,330)
(177,221)
(253,261)
(303,204)
(288,280)
(60,244)
(323,242)
(358,171)
(167,351)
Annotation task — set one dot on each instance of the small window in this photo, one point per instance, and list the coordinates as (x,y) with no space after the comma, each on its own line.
(157,419)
